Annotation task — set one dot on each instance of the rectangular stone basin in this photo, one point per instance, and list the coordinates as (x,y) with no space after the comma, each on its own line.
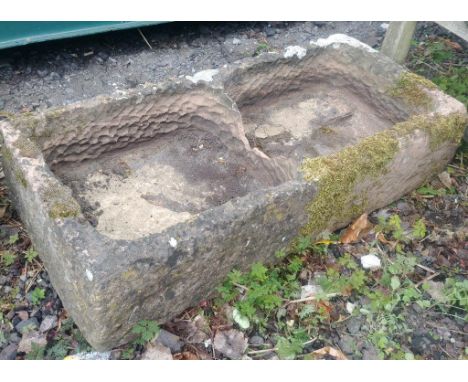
(141,203)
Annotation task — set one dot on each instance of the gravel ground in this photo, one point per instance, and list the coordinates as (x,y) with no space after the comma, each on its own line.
(57,73)
(33,323)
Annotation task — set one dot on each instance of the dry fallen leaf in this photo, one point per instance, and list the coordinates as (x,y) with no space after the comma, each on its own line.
(444,177)
(356,230)
(454,45)
(328,350)
(2,211)
(186,355)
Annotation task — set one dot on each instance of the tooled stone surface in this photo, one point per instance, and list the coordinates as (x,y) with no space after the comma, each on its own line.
(239,208)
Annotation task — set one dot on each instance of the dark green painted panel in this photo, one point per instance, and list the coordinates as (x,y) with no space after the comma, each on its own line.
(14,33)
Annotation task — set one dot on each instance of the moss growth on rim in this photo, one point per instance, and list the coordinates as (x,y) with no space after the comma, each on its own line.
(20,178)
(61,203)
(337,175)
(26,147)
(411,88)
(63,210)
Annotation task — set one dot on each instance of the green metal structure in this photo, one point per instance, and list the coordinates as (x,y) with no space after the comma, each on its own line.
(16,33)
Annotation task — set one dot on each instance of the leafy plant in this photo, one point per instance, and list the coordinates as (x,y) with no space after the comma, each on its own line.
(8,258)
(37,295)
(288,348)
(146,331)
(262,47)
(30,255)
(13,239)
(419,229)
(37,352)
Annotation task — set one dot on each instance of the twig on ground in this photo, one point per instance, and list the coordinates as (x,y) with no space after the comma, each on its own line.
(427,279)
(311,298)
(264,351)
(144,38)
(425,268)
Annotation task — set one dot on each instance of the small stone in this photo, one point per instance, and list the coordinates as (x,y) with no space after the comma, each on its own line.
(256,341)
(236,41)
(48,323)
(9,353)
(53,76)
(371,262)
(30,338)
(354,325)
(231,343)
(436,290)
(157,351)
(42,73)
(370,353)
(27,325)
(23,315)
(347,344)
(173,342)
(270,31)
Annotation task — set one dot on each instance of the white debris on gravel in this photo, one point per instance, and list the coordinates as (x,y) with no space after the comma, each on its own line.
(336,39)
(173,242)
(295,50)
(89,275)
(91,356)
(236,41)
(204,75)
(350,307)
(384,26)
(371,262)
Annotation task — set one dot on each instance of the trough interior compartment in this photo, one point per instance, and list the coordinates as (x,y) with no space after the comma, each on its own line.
(151,183)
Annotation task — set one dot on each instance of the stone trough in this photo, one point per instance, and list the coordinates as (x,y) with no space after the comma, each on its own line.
(141,203)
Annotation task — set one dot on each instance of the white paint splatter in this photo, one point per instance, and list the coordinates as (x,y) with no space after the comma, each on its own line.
(295,50)
(89,275)
(371,262)
(384,26)
(173,242)
(204,75)
(336,39)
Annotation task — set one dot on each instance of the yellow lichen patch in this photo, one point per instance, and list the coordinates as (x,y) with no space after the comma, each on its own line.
(337,175)
(412,89)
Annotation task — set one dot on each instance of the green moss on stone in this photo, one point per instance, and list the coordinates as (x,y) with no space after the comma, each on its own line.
(337,175)
(26,147)
(21,178)
(412,89)
(61,204)
(63,210)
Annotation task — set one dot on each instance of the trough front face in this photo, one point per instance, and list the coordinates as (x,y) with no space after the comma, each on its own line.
(140,204)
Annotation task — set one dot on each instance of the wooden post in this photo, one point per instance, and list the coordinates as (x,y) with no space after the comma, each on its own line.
(398,40)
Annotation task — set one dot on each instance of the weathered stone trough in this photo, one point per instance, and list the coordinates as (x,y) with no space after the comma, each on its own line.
(140,204)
